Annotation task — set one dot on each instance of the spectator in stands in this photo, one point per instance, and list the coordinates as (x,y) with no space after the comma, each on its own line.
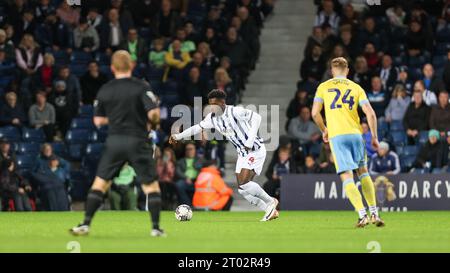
(112,32)
(429,97)
(377,96)
(327,16)
(91,82)
(136,46)
(68,14)
(347,41)
(432,155)
(431,82)
(440,114)
(191,33)
(313,66)
(94,18)
(194,87)
(371,55)
(126,18)
(362,74)
(249,32)
(367,135)
(66,106)
(26,25)
(387,73)
(315,39)
(284,164)
(42,115)
(157,54)
(43,9)
(52,179)
(311,167)
(384,161)
(186,45)
(44,156)
(28,56)
(417,39)
(54,34)
(396,16)
(237,51)
(223,82)
(211,38)
(404,80)
(446,72)
(199,62)
(304,130)
(14,187)
(12,113)
(7,46)
(370,34)
(211,191)
(254,11)
(144,12)
(15,10)
(165,167)
(398,105)
(122,195)
(300,100)
(211,61)
(72,83)
(86,37)
(176,61)
(45,75)
(166,21)
(350,17)
(6,153)
(416,117)
(187,170)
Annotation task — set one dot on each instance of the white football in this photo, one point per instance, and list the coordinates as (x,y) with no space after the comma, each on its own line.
(183,213)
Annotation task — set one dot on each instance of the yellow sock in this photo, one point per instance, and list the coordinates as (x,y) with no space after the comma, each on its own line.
(354,195)
(368,189)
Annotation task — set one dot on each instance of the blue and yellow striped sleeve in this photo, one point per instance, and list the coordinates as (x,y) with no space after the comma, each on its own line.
(362,98)
(319,94)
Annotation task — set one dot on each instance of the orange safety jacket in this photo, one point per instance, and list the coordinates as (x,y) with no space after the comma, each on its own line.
(211,192)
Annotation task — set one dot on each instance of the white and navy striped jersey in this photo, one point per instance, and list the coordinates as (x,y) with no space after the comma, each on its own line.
(236,125)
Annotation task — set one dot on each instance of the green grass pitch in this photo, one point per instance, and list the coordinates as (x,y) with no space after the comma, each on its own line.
(294,231)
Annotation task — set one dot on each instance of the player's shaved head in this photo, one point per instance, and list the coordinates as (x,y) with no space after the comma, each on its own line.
(121,62)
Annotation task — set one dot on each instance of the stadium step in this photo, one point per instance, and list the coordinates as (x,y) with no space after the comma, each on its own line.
(283,39)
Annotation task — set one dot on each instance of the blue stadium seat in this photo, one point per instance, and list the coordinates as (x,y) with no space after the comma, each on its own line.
(60,149)
(92,157)
(10,133)
(399,150)
(407,161)
(398,138)
(5,81)
(78,69)
(61,57)
(103,58)
(410,150)
(145,33)
(80,57)
(78,136)
(441,48)
(105,69)
(33,135)
(155,74)
(76,151)
(423,137)
(25,162)
(98,136)
(86,111)
(396,126)
(25,148)
(439,61)
(82,123)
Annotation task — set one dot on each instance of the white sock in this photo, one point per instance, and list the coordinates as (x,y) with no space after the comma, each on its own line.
(362,213)
(255,189)
(255,201)
(373,210)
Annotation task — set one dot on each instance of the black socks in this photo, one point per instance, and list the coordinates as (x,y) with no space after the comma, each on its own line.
(154,207)
(93,203)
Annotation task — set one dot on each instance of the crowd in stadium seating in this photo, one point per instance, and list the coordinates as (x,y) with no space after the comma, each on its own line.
(399,52)
(54,57)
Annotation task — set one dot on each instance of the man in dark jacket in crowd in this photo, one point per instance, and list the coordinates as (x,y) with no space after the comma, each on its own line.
(12,112)
(384,161)
(91,82)
(237,51)
(13,187)
(136,46)
(440,114)
(433,155)
(282,164)
(416,118)
(6,153)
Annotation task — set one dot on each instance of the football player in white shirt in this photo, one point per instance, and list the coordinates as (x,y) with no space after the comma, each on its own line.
(240,126)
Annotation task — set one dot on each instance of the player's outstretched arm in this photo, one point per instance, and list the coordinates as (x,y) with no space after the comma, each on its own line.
(191,131)
(372,121)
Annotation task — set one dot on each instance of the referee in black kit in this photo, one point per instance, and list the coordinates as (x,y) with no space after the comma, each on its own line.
(130,109)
